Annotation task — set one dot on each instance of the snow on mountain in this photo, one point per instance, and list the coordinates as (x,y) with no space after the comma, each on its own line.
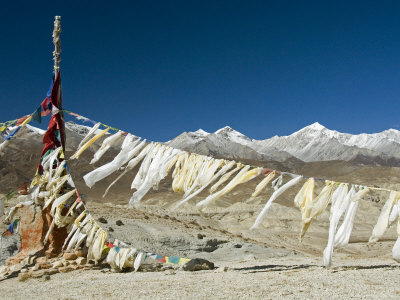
(318,143)
(77,128)
(312,143)
(75,133)
(70,125)
(233,135)
(28,129)
(35,129)
(225,142)
(201,132)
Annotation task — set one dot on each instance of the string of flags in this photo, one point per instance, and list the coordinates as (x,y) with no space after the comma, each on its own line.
(116,130)
(45,109)
(191,173)
(25,120)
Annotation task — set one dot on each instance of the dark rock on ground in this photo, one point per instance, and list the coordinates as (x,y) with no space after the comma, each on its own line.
(102,220)
(198,264)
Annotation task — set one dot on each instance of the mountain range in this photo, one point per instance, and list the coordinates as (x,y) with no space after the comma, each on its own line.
(310,144)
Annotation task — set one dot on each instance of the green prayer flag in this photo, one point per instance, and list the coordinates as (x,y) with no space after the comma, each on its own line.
(37,115)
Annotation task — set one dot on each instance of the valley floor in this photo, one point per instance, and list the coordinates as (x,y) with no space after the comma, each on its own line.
(269,263)
(294,278)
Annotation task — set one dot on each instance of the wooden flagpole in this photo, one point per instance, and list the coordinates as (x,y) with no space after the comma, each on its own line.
(57,44)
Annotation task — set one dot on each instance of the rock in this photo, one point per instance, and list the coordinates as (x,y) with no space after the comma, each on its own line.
(41,259)
(119,223)
(58,264)
(221,270)
(237,246)
(4,270)
(15,268)
(81,253)
(198,264)
(166,267)
(24,276)
(31,227)
(80,261)
(38,274)
(211,245)
(44,265)
(170,272)
(200,236)
(149,268)
(69,256)
(51,271)
(35,268)
(102,220)
(66,269)
(10,247)
(25,261)
(46,277)
(110,229)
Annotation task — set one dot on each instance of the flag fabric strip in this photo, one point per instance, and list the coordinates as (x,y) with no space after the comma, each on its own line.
(55,134)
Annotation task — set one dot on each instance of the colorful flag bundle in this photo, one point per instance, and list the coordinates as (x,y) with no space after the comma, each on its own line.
(55,134)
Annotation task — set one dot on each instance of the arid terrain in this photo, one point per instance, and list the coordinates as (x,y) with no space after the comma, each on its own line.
(267,263)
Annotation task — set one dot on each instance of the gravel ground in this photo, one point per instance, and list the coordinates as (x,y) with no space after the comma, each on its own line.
(269,279)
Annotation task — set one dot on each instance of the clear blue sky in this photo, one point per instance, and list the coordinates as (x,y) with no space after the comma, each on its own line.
(157,68)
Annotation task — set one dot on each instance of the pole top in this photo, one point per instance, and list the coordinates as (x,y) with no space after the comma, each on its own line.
(57,44)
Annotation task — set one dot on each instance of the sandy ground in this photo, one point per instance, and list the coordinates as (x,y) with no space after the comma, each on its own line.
(290,278)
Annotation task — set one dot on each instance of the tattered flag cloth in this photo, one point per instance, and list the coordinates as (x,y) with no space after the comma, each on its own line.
(22,119)
(78,199)
(169,259)
(23,189)
(13,227)
(55,134)
(46,107)
(155,257)
(10,195)
(47,103)
(8,137)
(19,123)
(37,116)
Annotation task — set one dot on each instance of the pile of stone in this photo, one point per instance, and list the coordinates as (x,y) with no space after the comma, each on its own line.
(43,266)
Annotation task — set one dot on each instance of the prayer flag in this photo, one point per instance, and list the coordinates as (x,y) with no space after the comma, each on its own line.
(37,116)
(55,134)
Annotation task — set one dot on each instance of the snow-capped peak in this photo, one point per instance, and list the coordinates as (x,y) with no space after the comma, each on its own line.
(79,129)
(35,129)
(233,135)
(316,130)
(201,132)
(316,126)
(224,129)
